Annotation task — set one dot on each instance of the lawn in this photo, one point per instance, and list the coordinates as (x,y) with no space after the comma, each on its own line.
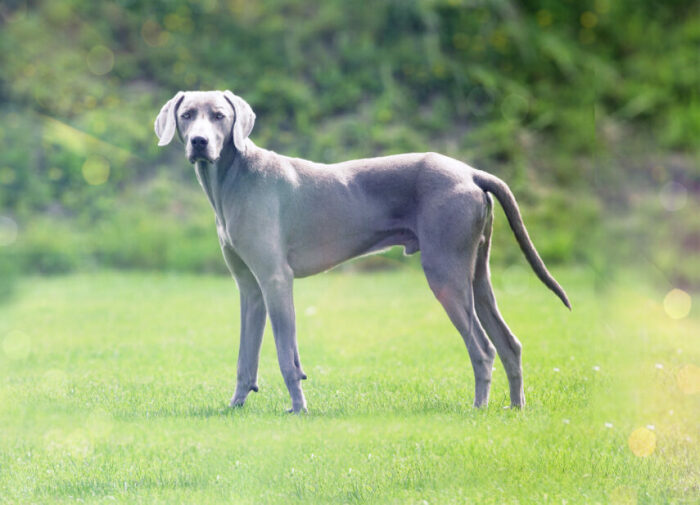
(115,387)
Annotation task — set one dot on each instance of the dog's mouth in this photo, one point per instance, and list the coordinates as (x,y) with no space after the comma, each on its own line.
(195,157)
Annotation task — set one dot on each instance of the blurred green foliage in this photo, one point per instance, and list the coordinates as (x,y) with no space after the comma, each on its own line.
(575,104)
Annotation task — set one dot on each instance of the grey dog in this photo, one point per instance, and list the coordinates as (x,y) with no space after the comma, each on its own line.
(278,218)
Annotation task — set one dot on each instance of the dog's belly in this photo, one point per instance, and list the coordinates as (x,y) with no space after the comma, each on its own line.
(323,255)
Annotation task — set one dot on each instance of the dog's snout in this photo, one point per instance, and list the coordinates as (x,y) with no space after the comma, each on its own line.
(199,142)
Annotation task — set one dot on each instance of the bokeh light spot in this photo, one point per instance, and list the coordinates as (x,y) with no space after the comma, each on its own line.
(544,17)
(100,60)
(153,34)
(77,444)
(499,39)
(514,106)
(8,231)
(55,382)
(179,21)
(90,102)
(588,19)
(688,379)
(623,496)
(55,173)
(677,304)
(96,170)
(208,5)
(99,423)
(7,175)
(179,67)
(602,6)
(673,196)
(642,442)
(16,345)
(54,440)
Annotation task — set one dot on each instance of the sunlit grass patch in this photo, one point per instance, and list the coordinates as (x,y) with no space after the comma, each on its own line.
(122,396)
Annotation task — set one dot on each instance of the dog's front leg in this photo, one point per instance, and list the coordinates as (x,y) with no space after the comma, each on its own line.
(277,291)
(252,326)
(253,315)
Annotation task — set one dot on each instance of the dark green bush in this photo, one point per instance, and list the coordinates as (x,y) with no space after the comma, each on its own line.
(571,95)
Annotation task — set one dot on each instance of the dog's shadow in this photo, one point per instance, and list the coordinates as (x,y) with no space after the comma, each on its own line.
(276,408)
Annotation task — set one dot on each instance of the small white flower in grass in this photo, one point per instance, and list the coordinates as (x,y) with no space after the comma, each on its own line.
(659,366)
(670,412)
(369,456)
(349,470)
(556,369)
(292,470)
(650,427)
(218,477)
(566,421)
(608,425)
(596,368)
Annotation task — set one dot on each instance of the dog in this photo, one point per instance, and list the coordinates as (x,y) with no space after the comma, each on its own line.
(279,218)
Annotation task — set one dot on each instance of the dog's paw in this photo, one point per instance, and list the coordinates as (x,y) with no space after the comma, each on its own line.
(236,403)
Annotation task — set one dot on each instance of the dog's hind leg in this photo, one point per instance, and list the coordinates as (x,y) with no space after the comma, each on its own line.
(508,347)
(450,280)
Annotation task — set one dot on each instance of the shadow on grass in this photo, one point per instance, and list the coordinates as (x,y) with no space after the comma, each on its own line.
(271,408)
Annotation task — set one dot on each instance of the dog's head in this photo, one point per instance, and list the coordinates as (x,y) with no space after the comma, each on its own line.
(206,122)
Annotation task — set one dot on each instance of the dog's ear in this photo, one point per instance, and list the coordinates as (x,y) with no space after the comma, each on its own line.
(243,122)
(166,122)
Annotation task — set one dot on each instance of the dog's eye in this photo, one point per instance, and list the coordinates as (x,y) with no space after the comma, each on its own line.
(186,115)
(219,115)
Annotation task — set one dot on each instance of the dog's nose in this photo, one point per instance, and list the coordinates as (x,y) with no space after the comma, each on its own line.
(199,142)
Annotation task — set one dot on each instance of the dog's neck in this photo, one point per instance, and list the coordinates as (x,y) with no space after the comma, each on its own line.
(211,176)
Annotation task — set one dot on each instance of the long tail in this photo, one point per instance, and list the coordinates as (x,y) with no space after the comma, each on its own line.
(502,192)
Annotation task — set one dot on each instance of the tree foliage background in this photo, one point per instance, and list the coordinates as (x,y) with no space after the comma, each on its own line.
(590,110)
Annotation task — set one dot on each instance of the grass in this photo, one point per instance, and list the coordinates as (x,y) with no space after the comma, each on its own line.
(115,387)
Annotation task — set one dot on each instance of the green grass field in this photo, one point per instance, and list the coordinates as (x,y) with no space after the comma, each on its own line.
(115,387)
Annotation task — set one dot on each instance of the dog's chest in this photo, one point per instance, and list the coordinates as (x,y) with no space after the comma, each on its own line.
(211,179)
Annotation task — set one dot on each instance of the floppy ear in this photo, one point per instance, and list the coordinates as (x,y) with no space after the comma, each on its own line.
(166,122)
(243,122)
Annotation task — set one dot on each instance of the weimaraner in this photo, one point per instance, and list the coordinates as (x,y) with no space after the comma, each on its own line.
(278,218)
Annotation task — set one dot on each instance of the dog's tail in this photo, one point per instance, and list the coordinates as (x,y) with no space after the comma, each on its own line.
(502,192)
